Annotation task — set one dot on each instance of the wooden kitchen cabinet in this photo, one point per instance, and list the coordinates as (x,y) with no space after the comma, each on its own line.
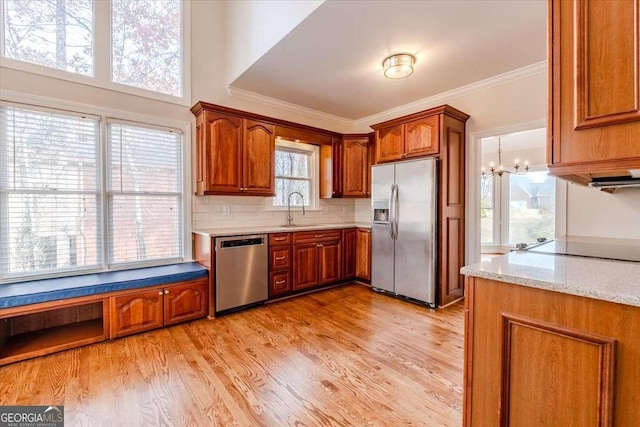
(234,155)
(139,311)
(594,109)
(331,170)
(280,264)
(356,166)
(349,253)
(317,258)
(404,138)
(363,254)
(564,361)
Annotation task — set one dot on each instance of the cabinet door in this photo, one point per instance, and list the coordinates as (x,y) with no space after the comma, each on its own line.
(185,302)
(280,283)
(330,262)
(421,137)
(259,147)
(355,167)
(349,253)
(222,162)
(390,144)
(595,109)
(136,312)
(363,253)
(305,266)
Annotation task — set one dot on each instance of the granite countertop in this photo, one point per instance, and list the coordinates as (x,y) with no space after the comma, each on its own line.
(239,231)
(607,280)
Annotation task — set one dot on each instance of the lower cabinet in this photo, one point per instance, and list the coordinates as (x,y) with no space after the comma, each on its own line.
(280,261)
(349,253)
(317,258)
(363,253)
(134,312)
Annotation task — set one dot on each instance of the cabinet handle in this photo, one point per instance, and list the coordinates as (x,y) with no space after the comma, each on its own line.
(319,245)
(280,257)
(160,292)
(280,282)
(317,236)
(166,292)
(280,239)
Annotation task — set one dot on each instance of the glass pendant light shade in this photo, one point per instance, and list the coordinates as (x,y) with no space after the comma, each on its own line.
(398,66)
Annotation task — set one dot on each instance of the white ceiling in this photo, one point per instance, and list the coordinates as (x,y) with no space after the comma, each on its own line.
(332,61)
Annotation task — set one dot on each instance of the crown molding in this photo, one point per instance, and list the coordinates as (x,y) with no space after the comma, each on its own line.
(288,106)
(445,97)
(421,104)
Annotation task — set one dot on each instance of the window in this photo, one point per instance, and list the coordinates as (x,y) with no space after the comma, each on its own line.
(145,184)
(516,208)
(49,192)
(56,213)
(145,44)
(56,34)
(135,46)
(296,170)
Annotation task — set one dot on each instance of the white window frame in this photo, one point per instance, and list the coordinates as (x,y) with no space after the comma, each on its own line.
(102,50)
(105,114)
(314,172)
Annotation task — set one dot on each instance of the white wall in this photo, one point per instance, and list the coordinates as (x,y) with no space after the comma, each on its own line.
(591,212)
(255,26)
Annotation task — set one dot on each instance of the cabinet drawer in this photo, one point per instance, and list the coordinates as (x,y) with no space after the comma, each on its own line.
(280,283)
(279,258)
(316,236)
(276,239)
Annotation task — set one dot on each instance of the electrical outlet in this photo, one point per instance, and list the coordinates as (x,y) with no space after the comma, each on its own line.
(226,210)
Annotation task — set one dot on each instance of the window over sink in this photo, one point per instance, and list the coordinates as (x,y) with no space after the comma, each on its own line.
(297,166)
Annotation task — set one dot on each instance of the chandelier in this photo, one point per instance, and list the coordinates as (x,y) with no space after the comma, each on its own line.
(493,171)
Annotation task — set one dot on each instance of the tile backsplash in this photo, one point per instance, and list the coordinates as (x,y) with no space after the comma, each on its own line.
(215,212)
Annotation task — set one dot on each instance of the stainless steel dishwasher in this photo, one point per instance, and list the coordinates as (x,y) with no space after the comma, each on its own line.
(241,271)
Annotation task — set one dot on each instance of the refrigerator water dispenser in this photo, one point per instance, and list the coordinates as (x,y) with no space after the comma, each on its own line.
(380,211)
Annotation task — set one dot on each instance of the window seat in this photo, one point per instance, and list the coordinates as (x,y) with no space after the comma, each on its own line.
(45,290)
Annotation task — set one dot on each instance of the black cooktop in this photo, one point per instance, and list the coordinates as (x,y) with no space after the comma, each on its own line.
(606,249)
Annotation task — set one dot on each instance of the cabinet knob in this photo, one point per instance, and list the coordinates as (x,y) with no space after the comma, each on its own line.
(319,245)
(166,291)
(160,292)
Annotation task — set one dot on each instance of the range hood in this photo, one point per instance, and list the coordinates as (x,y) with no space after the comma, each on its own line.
(615,182)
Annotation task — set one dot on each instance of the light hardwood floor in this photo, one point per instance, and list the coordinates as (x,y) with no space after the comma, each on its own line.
(344,356)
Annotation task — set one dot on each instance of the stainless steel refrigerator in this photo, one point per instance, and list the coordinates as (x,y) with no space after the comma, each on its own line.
(403,202)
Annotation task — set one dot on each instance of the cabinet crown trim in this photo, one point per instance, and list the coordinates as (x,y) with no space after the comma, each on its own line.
(443,109)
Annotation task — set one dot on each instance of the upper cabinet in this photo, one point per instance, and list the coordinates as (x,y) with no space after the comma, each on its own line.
(594,109)
(356,166)
(234,155)
(412,138)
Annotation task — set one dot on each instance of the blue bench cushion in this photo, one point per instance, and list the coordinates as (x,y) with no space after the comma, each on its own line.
(35,291)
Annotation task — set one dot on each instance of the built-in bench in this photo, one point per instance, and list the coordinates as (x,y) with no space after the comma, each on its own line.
(43,316)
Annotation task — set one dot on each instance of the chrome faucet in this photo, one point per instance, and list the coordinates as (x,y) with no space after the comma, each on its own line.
(289,217)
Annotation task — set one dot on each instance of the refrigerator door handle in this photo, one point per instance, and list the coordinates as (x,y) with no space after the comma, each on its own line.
(395,212)
(391,212)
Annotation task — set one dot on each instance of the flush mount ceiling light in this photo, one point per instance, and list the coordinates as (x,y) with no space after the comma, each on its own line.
(399,66)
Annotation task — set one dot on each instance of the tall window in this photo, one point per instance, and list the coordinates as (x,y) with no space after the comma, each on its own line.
(145,199)
(55,33)
(145,44)
(138,44)
(516,208)
(295,171)
(56,212)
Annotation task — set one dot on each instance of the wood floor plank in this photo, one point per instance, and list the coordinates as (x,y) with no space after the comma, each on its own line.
(346,356)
